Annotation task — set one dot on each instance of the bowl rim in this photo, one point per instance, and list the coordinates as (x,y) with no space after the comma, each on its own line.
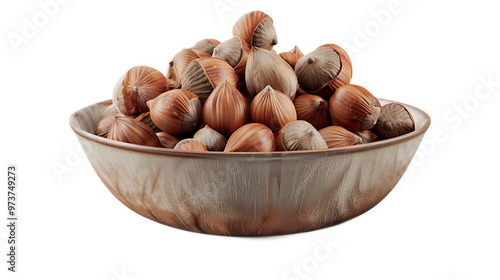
(74,124)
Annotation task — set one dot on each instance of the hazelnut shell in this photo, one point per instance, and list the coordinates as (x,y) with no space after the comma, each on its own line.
(267,68)
(190,145)
(145,118)
(139,85)
(178,65)
(252,137)
(235,53)
(301,136)
(394,120)
(313,109)
(272,108)
(166,140)
(354,108)
(337,137)
(292,56)
(226,109)
(213,140)
(256,29)
(206,46)
(131,131)
(324,70)
(204,74)
(176,112)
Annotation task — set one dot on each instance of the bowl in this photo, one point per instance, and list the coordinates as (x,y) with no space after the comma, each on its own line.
(248,194)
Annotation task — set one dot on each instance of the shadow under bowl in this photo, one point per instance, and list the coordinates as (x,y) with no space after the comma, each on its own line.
(248,194)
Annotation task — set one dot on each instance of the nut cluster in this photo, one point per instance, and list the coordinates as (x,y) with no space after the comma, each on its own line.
(240,95)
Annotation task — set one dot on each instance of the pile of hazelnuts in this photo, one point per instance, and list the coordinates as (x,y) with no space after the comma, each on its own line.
(242,96)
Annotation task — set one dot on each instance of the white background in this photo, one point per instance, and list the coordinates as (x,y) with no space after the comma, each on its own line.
(442,221)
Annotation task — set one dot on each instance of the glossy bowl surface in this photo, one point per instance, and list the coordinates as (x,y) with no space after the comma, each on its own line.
(247,194)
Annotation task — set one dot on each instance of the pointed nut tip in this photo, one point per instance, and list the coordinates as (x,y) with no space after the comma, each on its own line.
(319,102)
(389,126)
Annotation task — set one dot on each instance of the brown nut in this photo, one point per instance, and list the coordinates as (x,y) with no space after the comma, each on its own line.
(354,108)
(267,68)
(176,112)
(166,140)
(145,118)
(139,85)
(131,131)
(252,137)
(203,75)
(256,29)
(272,108)
(337,137)
(206,45)
(112,110)
(213,140)
(394,120)
(301,136)
(235,53)
(279,143)
(313,109)
(367,136)
(103,126)
(324,70)
(178,65)
(292,56)
(190,145)
(226,109)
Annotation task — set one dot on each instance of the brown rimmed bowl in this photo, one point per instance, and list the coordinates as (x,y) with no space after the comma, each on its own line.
(248,194)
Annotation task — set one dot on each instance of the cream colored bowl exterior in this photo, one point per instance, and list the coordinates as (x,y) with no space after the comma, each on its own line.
(247,194)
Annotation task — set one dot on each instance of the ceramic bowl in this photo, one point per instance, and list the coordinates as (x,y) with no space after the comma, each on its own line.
(247,194)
